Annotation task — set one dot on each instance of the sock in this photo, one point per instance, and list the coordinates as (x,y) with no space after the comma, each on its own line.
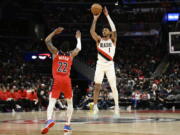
(69,111)
(50,108)
(95,106)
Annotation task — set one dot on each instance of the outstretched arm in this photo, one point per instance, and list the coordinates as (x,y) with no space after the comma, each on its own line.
(94,35)
(48,40)
(111,23)
(78,46)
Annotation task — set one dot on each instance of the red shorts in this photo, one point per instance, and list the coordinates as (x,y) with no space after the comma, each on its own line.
(61,84)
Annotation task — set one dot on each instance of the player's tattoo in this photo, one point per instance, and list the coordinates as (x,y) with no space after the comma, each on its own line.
(49,44)
(51,47)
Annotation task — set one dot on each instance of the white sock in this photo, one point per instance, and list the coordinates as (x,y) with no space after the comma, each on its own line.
(50,108)
(95,105)
(69,111)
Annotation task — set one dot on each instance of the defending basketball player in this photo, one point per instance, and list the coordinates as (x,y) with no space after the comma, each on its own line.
(62,61)
(106,49)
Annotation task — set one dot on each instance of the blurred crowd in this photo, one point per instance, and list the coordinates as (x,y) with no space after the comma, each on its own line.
(19,85)
(135,20)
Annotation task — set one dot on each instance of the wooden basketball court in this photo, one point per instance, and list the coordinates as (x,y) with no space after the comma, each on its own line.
(85,123)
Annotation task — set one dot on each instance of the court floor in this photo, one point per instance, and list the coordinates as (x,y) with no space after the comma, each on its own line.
(86,123)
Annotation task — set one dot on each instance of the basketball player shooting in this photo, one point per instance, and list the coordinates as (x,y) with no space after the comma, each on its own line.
(106,49)
(62,61)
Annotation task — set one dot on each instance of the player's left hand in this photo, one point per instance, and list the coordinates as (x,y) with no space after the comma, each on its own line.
(105,11)
(78,34)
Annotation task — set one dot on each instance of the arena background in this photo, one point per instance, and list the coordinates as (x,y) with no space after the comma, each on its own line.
(148,75)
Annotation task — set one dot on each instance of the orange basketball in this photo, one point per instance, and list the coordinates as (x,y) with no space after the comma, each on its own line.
(96,9)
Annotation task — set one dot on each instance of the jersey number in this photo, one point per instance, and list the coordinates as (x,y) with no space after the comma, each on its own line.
(109,50)
(62,67)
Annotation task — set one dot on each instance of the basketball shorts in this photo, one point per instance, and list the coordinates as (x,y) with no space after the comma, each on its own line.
(102,69)
(61,85)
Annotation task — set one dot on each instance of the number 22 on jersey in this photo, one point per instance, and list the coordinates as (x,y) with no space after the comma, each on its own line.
(62,67)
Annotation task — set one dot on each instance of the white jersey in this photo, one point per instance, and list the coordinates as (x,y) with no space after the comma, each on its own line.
(106,51)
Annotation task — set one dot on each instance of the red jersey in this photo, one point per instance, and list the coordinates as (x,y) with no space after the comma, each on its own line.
(32,96)
(61,64)
(9,94)
(3,96)
(16,95)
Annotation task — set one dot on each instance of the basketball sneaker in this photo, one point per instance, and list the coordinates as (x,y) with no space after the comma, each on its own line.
(49,124)
(67,128)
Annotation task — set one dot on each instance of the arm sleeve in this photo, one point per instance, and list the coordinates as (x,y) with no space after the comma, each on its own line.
(78,43)
(113,28)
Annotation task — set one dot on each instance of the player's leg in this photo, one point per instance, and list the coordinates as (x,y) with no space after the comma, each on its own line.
(50,122)
(110,73)
(99,75)
(96,95)
(67,90)
(69,113)
(52,101)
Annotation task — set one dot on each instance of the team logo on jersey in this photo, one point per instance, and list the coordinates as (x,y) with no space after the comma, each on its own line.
(105,44)
(63,58)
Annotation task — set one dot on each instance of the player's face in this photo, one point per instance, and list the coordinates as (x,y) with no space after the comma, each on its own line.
(105,32)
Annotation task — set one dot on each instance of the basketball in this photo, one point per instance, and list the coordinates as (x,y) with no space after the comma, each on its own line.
(96,9)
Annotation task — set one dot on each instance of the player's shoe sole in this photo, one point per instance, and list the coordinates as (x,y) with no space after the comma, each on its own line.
(65,130)
(46,129)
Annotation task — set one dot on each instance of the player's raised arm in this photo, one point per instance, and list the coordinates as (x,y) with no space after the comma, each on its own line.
(48,40)
(78,46)
(94,35)
(111,23)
